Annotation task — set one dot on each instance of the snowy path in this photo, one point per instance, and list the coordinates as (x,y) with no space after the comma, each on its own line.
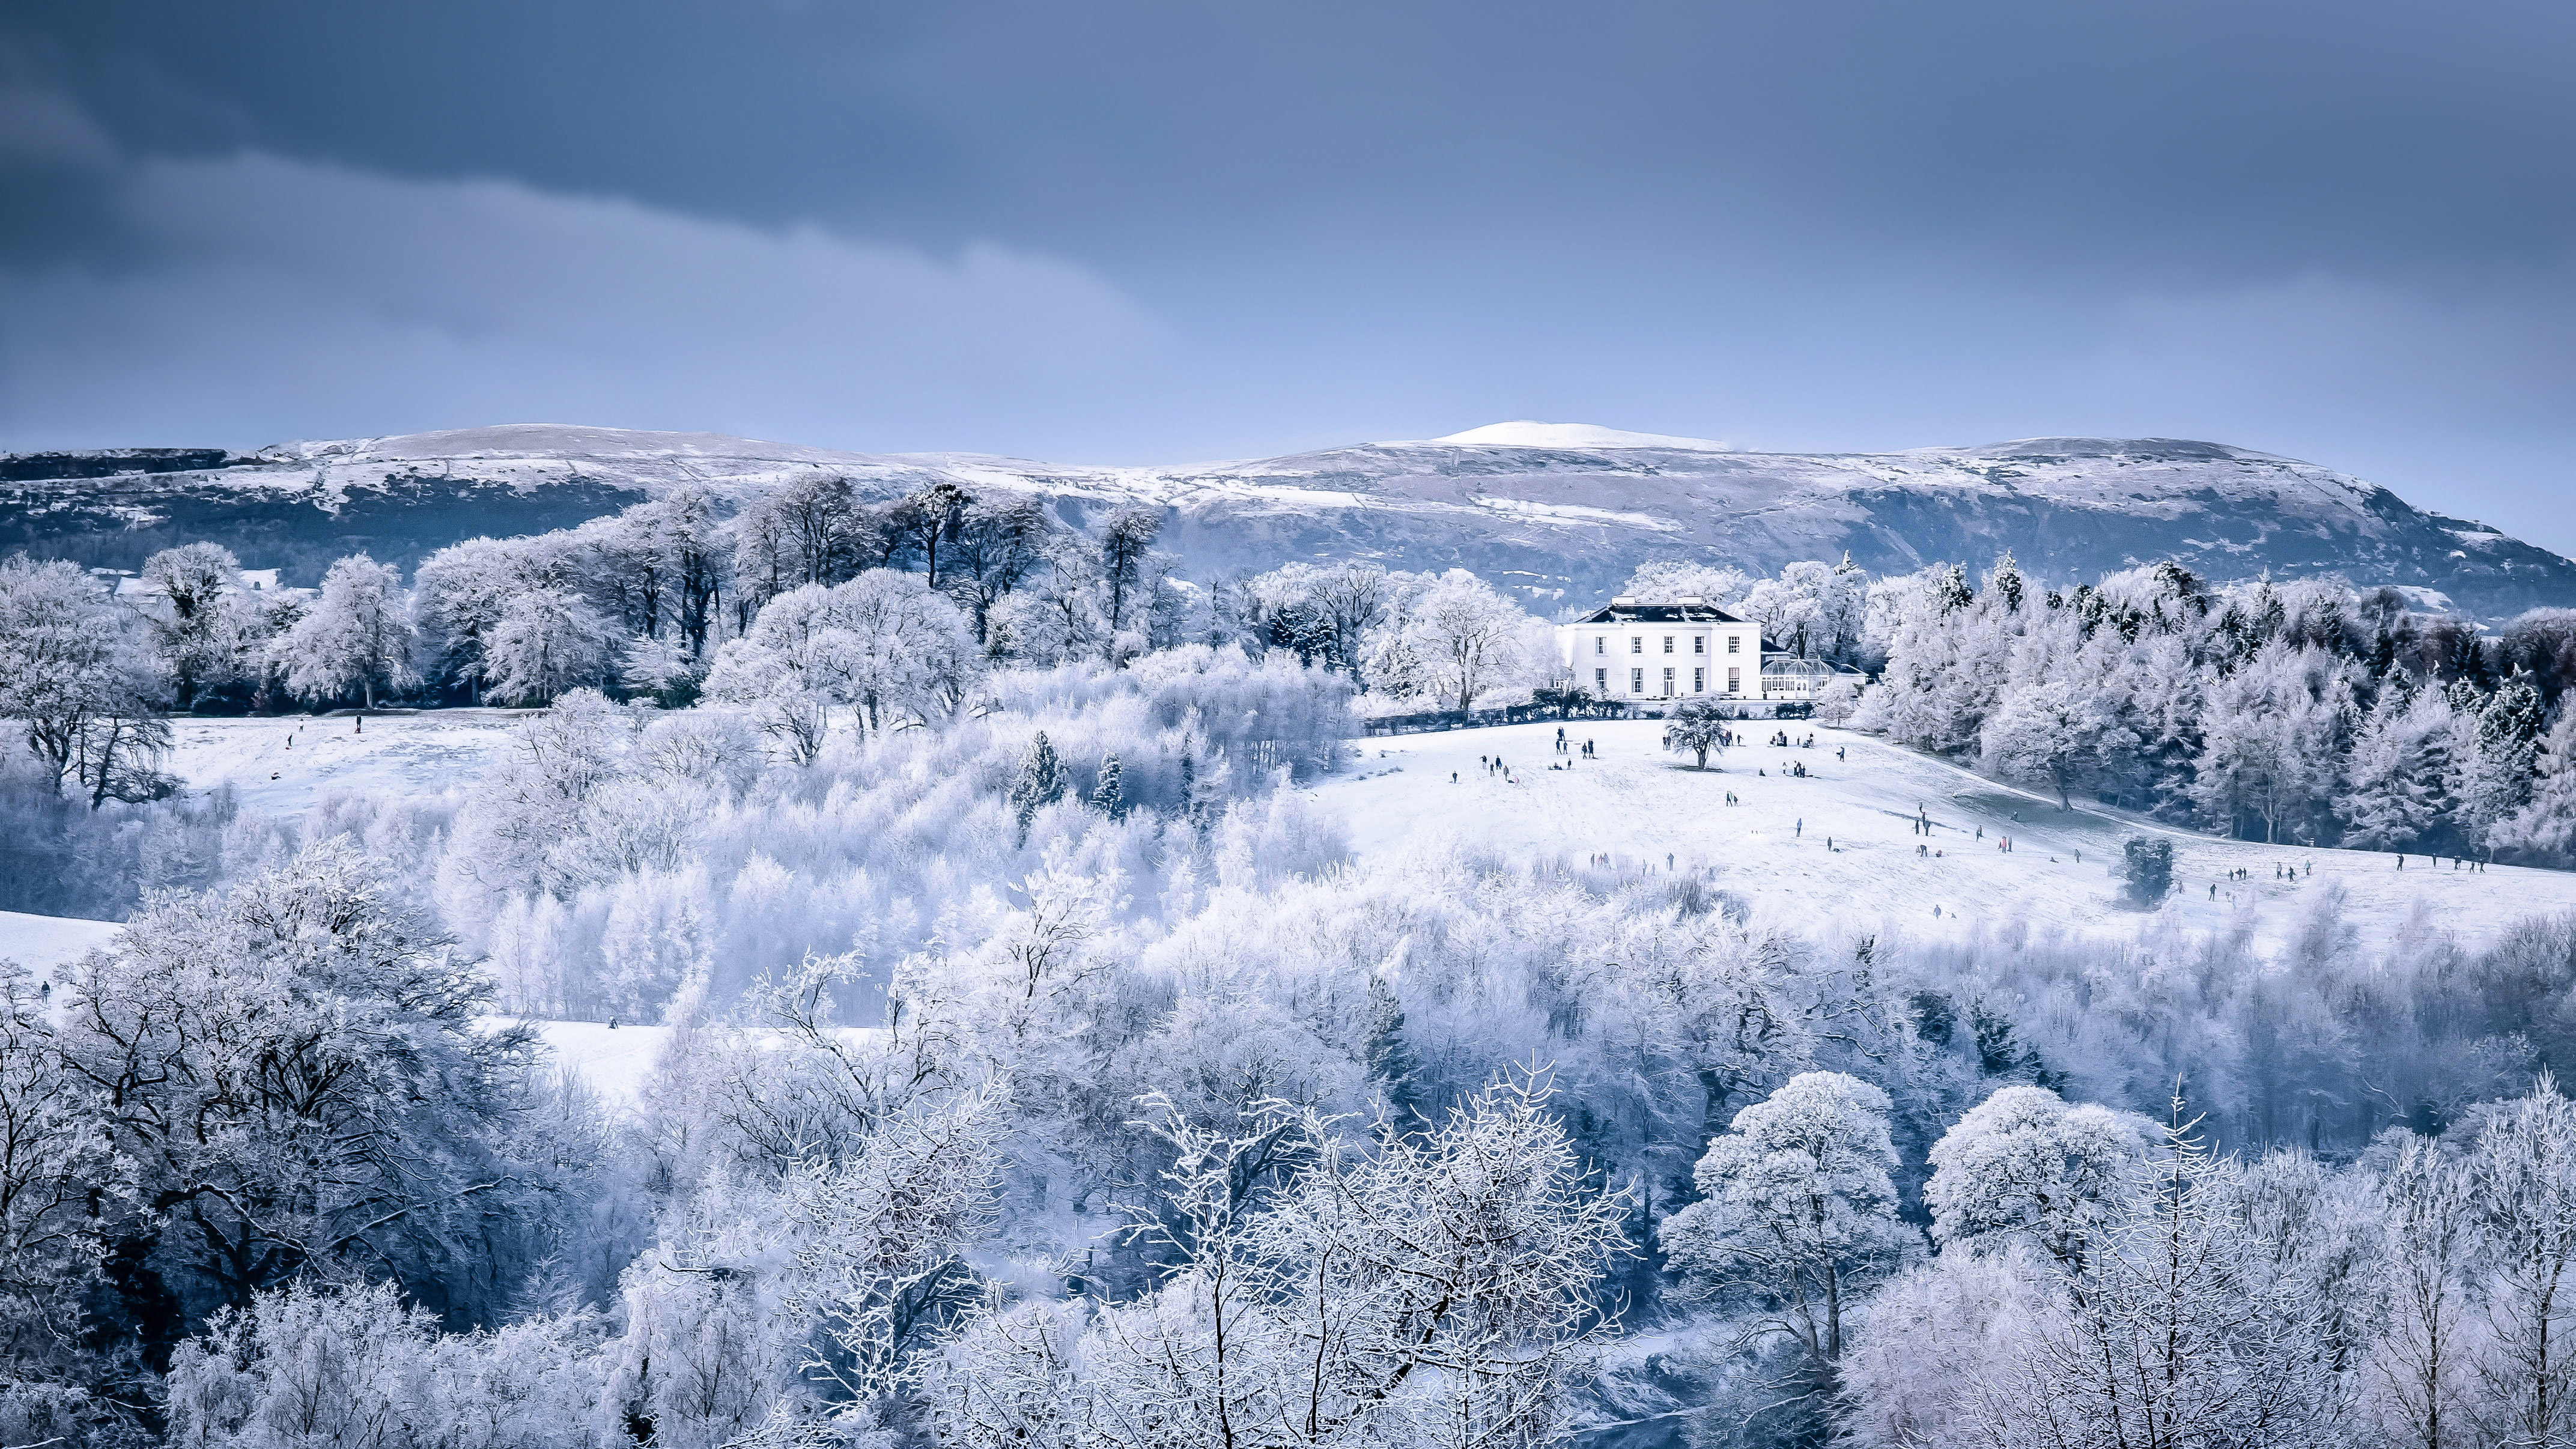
(282,765)
(1640,805)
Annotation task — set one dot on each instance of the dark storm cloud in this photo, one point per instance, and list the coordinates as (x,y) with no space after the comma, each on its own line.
(2342,230)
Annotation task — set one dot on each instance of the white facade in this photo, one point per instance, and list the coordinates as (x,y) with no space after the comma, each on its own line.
(1680,649)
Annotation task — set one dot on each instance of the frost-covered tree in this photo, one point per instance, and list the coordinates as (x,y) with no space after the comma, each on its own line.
(1798,1210)
(1664,579)
(2545,827)
(2396,787)
(999,545)
(2052,734)
(546,641)
(2419,1380)
(1839,700)
(357,636)
(2523,1173)
(2024,1167)
(312,1366)
(2177,1331)
(881,644)
(73,678)
(1695,728)
(1324,613)
(2497,769)
(1126,564)
(190,641)
(1437,1289)
(1454,639)
(302,1086)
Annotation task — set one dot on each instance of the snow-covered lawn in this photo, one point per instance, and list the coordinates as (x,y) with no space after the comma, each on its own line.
(44,944)
(281,766)
(1642,806)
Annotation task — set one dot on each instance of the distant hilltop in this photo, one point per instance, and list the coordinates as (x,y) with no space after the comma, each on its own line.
(1561,511)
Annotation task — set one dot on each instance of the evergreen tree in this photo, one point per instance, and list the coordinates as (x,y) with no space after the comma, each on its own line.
(1041,782)
(2545,827)
(1110,795)
(1390,1060)
(2395,783)
(2498,769)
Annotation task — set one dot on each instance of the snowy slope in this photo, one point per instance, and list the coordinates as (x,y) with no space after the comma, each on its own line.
(1563,509)
(44,944)
(281,766)
(1635,803)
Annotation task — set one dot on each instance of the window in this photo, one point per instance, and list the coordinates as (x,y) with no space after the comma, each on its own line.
(1699,643)
(1699,681)
(1636,681)
(1600,643)
(1668,643)
(1636,643)
(1735,681)
(1734,643)
(1668,684)
(1601,680)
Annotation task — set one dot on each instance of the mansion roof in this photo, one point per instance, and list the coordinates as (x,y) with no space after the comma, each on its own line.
(1689,611)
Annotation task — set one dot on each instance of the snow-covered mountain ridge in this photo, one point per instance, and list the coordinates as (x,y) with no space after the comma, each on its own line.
(1562,509)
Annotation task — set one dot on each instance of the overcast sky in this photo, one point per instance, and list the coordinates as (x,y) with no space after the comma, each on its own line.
(1154,232)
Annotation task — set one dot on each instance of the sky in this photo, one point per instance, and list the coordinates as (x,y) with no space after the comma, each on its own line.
(1130,231)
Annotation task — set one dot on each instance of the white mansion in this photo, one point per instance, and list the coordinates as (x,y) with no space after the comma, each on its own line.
(1682,649)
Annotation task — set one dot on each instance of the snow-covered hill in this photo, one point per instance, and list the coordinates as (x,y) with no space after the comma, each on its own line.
(1838,848)
(1564,510)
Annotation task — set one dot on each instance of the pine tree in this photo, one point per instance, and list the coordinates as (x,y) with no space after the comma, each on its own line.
(1389,1059)
(1041,782)
(2497,771)
(2394,787)
(1110,795)
(2545,827)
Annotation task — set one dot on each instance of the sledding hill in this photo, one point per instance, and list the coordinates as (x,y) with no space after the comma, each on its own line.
(1563,510)
(1635,802)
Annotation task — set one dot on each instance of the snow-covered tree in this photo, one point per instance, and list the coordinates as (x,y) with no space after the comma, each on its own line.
(2396,787)
(190,641)
(546,641)
(1109,796)
(1798,1215)
(2523,1175)
(74,680)
(1041,781)
(356,637)
(1435,1292)
(2052,734)
(2497,770)
(1455,638)
(1695,728)
(2545,827)
(2024,1167)
(302,1086)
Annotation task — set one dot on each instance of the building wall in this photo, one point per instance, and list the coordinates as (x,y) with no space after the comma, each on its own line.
(1628,661)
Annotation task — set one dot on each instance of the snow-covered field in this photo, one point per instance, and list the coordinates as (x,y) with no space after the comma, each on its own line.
(44,943)
(281,766)
(1839,846)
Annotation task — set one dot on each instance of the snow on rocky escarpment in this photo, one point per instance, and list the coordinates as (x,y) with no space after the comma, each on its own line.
(1564,510)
